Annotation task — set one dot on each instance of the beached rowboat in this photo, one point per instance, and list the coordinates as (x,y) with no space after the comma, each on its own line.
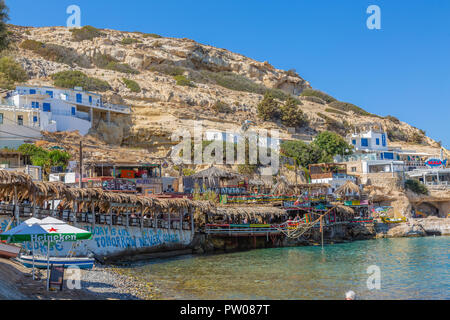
(41,262)
(8,250)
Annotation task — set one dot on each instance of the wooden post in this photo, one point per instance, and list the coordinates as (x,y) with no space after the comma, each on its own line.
(169,219)
(192,219)
(74,212)
(81,165)
(181,218)
(93,214)
(53,206)
(142,217)
(321,229)
(16,206)
(34,204)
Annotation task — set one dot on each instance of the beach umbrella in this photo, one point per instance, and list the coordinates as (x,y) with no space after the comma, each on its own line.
(45,230)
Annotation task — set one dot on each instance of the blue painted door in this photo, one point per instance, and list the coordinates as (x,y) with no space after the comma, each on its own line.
(73,111)
(90,99)
(79,98)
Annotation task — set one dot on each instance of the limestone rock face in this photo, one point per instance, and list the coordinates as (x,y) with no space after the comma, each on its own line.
(407,230)
(162,106)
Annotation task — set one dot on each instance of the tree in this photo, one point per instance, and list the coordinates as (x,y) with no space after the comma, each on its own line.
(268,108)
(305,154)
(332,144)
(4,17)
(12,70)
(44,158)
(291,115)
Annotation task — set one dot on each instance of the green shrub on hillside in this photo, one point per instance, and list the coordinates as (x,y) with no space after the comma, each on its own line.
(221,107)
(167,69)
(11,72)
(345,106)
(85,33)
(105,61)
(333,125)
(268,109)
(71,79)
(291,115)
(330,110)
(56,53)
(126,41)
(183,81)
(393,119)
(396,134)
(151,35)
(5,82)
(319,94)
(132,85)
(417,138)
(416,187)
(314,99)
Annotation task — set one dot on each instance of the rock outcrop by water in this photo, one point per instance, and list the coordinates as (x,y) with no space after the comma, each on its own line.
(415,228)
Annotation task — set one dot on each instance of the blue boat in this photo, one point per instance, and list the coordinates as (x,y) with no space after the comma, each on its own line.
(41,262)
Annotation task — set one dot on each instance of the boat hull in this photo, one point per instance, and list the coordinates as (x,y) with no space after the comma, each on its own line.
(8,250)
(41,262)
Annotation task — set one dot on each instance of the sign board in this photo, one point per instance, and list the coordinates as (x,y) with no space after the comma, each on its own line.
(435,163)
(56,276)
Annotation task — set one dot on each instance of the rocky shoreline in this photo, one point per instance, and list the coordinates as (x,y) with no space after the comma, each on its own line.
(108,282)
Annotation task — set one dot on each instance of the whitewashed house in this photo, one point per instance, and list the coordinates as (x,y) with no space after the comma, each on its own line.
(28,110)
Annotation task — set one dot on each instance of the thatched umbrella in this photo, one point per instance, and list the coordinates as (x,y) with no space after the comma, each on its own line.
(249,212)
(348,187)
(282,186)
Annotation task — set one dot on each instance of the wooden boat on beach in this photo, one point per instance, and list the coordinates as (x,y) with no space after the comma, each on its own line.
(41,262)
(393,220)
(9,250)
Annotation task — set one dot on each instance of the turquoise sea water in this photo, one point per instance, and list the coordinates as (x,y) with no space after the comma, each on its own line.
(411,268)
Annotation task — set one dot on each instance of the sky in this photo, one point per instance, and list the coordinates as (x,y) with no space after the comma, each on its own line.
(402,69)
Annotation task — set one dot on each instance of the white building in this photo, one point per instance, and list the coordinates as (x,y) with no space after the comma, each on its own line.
(371,140)
(28,110)
(333,174)
(232,137)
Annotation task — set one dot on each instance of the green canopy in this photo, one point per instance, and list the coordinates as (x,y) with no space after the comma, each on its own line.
(48,229)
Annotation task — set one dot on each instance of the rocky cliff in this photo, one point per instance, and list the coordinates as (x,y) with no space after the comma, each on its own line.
(181,81)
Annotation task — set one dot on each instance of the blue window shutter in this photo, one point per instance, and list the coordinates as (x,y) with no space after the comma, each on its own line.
(37,105)
(32,91)
(378,141)
(383,140)
(364,142)
(354,142)
(35,119)
(73,111)
(50,93)
(90,99)
(33,104)
(46,107)
(79,98)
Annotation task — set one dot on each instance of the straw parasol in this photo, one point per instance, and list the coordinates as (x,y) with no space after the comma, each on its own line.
(39,192)
(249,212)
(348,187)
(282,186)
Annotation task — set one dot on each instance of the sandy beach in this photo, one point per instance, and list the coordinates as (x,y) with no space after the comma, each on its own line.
(100,283)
